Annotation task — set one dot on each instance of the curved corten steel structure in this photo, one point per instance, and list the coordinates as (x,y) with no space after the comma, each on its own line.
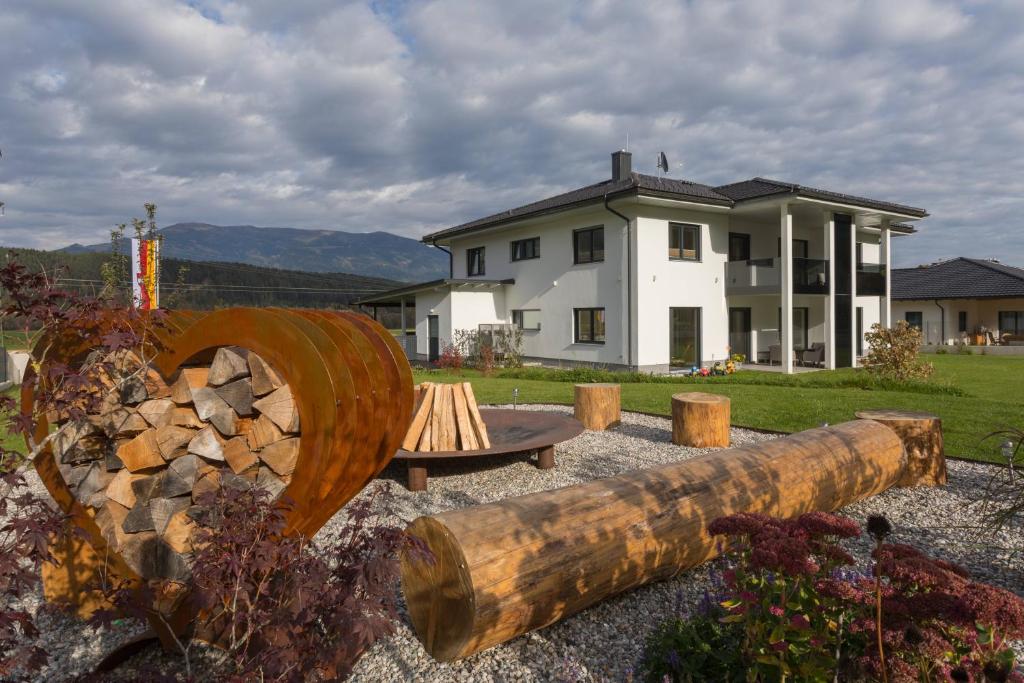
(353,391)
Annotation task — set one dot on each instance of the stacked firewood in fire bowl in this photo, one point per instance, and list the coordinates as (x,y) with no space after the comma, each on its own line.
(140,463)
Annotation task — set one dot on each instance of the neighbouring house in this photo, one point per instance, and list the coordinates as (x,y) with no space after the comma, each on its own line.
(962,300)
(654,273)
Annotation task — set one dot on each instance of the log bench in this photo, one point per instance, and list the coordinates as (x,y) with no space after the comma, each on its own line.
(700,420)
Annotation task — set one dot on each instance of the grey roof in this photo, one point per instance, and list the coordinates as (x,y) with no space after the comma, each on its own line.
(757,188)
(391,296)
(959,278)
(671,188)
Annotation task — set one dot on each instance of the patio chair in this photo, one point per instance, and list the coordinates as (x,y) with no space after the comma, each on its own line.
(775,354)
(814,356)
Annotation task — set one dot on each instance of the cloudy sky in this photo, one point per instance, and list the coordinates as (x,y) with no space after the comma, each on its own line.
(412,116)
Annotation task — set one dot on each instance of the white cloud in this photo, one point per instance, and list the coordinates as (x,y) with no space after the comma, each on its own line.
(410,116)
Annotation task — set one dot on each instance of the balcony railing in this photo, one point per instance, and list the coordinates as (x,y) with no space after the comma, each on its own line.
(763,276)
(870,279)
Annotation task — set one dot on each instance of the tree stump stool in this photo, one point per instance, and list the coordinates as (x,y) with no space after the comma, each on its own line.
(700,420)
(921,434)
(598,406)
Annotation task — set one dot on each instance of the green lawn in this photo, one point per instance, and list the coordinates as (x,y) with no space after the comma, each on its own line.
(12,340)
(972,394)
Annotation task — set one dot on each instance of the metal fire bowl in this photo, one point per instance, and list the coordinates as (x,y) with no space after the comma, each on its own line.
(510,432)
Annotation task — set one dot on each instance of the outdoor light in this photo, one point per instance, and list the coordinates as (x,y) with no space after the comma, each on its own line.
(1008,451)
(515,398)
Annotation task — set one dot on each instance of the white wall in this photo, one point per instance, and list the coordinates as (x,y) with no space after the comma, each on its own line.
(432,303)
(979,312)
(471,307)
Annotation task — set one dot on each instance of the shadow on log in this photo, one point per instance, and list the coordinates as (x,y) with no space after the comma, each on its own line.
(510,567)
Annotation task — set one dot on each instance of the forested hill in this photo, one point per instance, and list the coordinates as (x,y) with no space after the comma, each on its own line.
(207,285)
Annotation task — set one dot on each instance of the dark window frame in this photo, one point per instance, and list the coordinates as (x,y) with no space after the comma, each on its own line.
(961,321)
(470,253)
(593,325)
(807,327)
(1018,322)
(515,243)
(698,337)
(683,228)
(519,323)
(860,331)
(806,244)
(920,317)
(576,234)
(745,236)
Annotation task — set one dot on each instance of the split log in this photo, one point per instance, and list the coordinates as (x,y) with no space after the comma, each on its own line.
(188,379)
(207,443)
(141,452)
(132,423)
(133,391)
(281,456)
(480,429)
(120,488)
(238,395)
(178,532)
(213,409)
(238,455)
(270,482)
(185,417)
(145,487)
(921,434)
(139,519)
(228,364)
(207,479)
(598,406)
(420,417)
(700,420)
(173,441)
(467,434)
(162,509)
(262,433)
(157,411)
(506,568)
(280,407)
(264,378)
(442,425)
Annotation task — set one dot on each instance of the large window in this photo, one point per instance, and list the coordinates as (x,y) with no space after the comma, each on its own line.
(1011,322)
(588,245)
(683,242)
(684,337)
(528,319)
(799,247)
(739,246)
(525,249)
(800,317)
(475,261)
(961,321)
(589,324)
(914,319)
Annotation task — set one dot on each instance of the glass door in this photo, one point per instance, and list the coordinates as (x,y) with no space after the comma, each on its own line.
(433,334)
(739,331)
(684,337)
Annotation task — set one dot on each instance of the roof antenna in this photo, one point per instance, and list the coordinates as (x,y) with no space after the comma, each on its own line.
(662,163)
(627,141)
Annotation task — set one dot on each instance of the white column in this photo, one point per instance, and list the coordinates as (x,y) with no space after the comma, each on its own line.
(852,275)
(786,283)
(830,323)
(884,250)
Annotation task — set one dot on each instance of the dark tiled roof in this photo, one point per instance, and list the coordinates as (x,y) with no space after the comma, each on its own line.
(648,185)
(959,278)
(765,187)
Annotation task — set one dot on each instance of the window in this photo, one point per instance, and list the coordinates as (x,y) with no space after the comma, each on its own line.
(860,331)
(860,255)
(961,321)
(799,328)
(1011,322)
(475,261)
(589,324)
(526,319)
(588,245)
(525,249)
(739,246)
(683,242)
(914,319)
(799,248)
(684,337)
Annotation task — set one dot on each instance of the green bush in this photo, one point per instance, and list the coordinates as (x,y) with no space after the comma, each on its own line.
(701,648)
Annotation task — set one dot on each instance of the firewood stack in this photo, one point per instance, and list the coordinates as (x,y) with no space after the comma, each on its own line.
(141,462)
(446,419)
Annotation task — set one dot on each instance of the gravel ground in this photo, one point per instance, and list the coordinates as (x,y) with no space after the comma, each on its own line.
(605,641)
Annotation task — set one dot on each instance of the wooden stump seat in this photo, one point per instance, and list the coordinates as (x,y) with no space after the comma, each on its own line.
(700,420)
(598,405)
(921,434)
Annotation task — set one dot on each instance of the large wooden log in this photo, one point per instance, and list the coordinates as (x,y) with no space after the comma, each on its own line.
(598,406)
(922,438)
(506,568)
(700,420)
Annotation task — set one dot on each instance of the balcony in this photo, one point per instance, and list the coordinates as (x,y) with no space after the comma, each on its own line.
(763,276)
(870,279)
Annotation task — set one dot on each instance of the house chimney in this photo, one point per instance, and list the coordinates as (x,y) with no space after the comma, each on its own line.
(622,165)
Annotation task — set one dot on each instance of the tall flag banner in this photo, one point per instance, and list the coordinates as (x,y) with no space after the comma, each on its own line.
(145,274)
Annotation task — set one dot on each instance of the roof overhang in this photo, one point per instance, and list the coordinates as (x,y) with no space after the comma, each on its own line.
(395,297)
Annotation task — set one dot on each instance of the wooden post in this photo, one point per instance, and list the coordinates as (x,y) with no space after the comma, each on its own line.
(546,458)
(700,420)
(598,406)
(417,476)
(921,434)
(506,568)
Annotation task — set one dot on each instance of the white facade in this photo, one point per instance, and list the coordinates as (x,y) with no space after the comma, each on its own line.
(941,319)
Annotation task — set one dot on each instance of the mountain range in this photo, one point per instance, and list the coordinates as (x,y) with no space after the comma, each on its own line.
(372,254)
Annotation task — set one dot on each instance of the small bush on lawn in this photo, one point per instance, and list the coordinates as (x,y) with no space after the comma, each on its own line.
(794,610)
(451,358)
(893,352)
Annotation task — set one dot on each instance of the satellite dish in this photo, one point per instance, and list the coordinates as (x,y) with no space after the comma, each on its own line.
(663,162)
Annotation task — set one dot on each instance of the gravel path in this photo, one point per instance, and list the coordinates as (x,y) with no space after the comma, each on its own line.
(604,642)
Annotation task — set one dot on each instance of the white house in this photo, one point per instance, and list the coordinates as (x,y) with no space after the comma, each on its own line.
(653,273)
(962,300)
